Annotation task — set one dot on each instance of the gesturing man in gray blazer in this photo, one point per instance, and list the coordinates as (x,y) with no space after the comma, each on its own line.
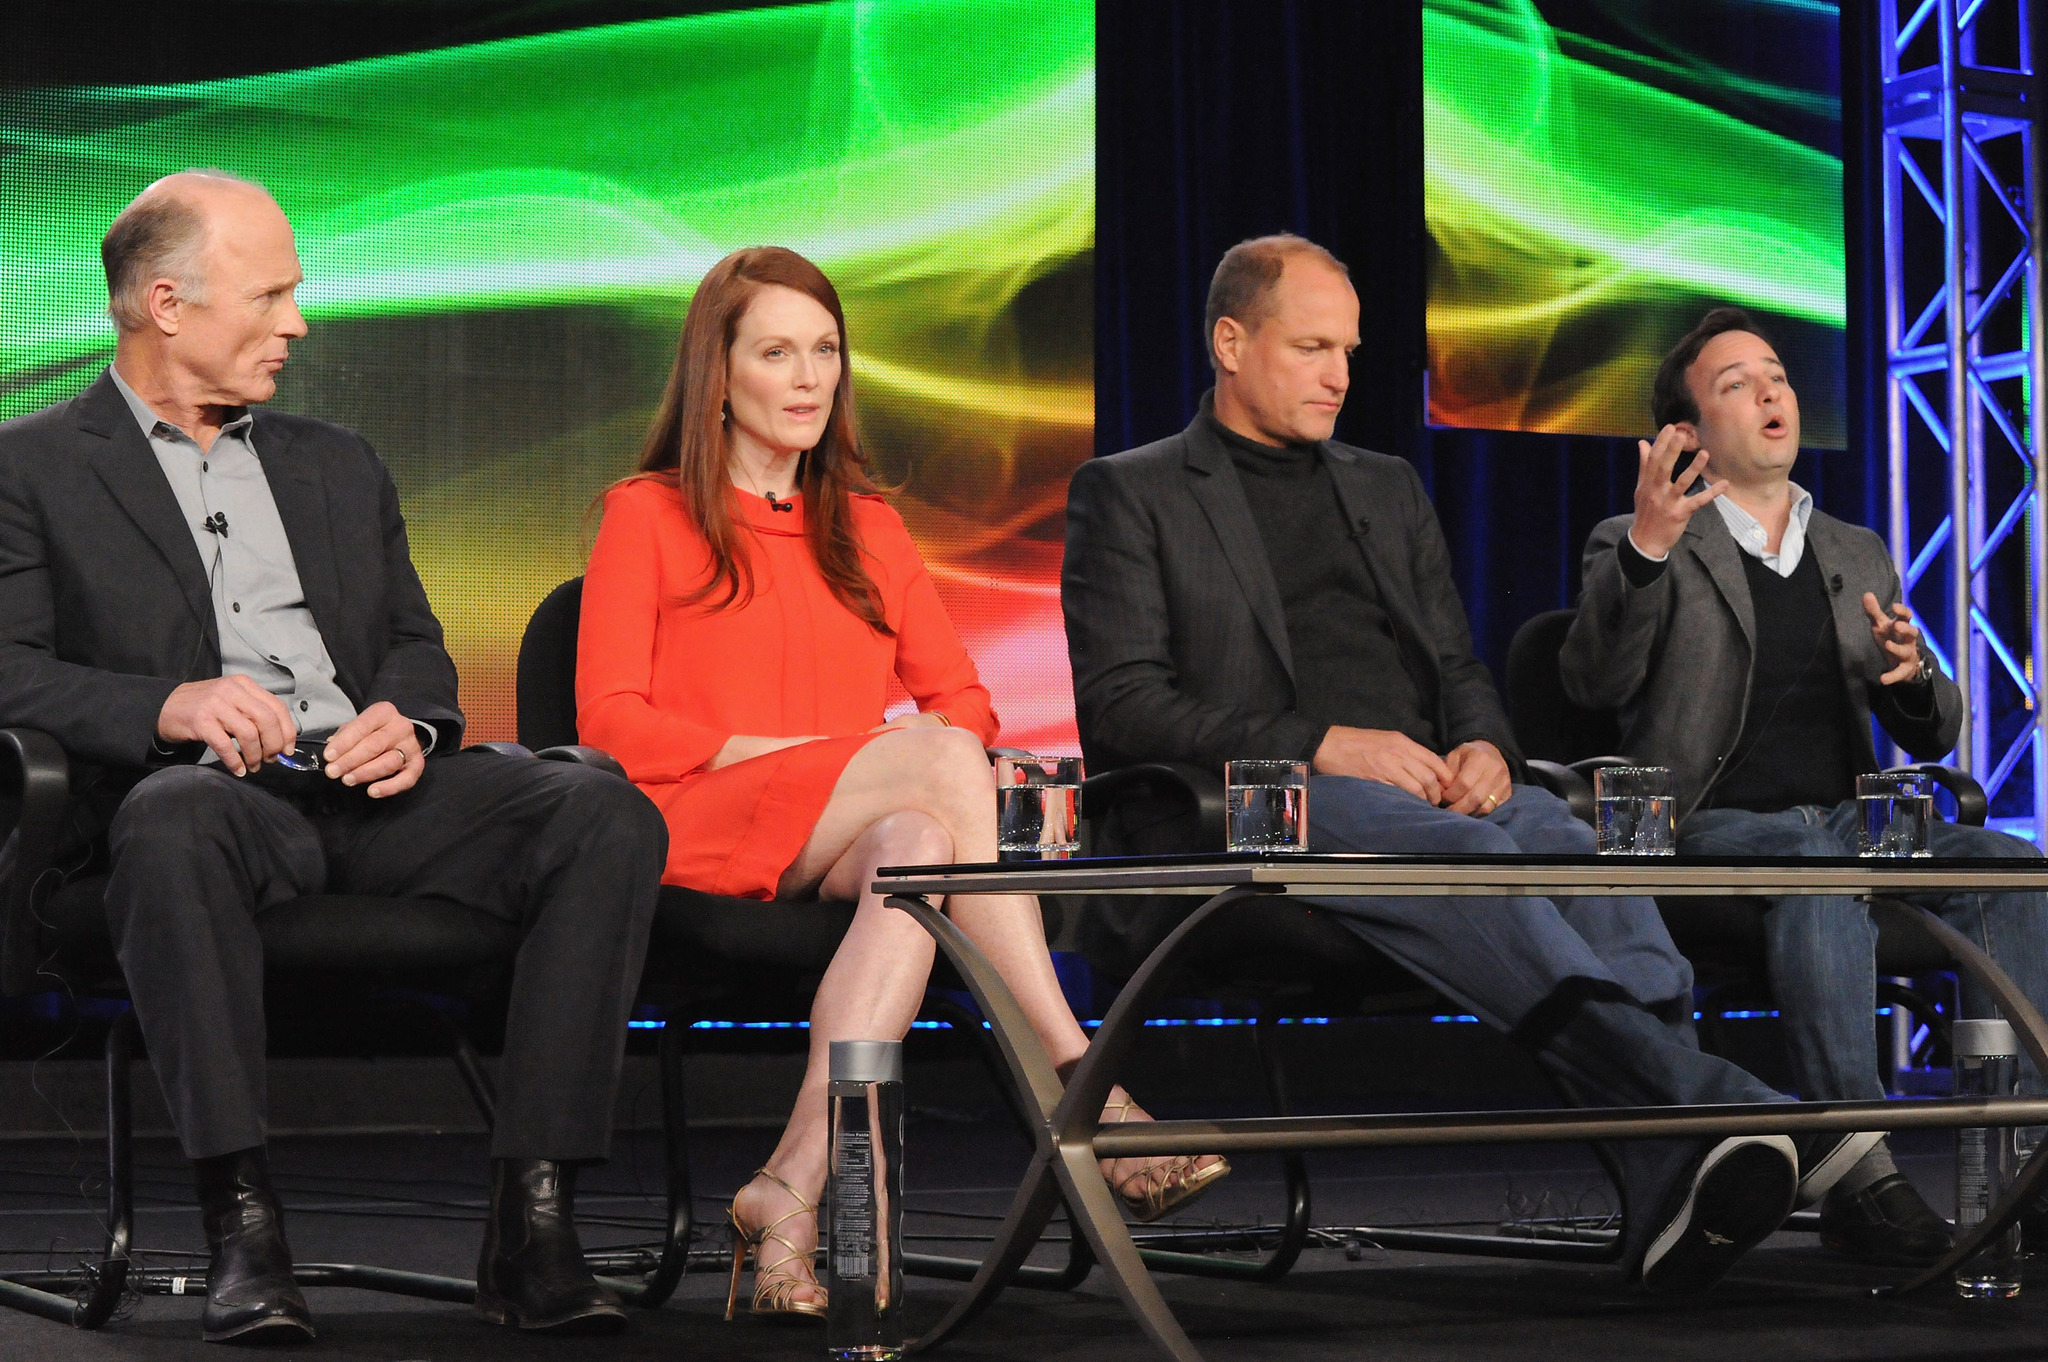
(1748,647)
(193,591)
(1249,588)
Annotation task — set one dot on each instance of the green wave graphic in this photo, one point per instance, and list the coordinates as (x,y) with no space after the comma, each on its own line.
(612,164)
(1579,216)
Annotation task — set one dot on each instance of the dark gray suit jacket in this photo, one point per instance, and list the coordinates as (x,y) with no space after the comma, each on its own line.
(1174,624)
(1674,658)
(104,602)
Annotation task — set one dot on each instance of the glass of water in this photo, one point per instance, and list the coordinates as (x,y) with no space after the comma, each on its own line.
(1038,805)
(1265,805)
(1633,811)
(1897,809)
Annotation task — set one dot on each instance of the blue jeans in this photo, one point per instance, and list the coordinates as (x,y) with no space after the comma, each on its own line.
(1594,987)
(1821,952)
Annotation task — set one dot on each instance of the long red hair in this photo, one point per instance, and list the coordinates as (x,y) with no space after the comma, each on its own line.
(686,446)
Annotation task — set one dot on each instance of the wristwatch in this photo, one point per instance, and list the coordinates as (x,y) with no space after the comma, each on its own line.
(1925,676)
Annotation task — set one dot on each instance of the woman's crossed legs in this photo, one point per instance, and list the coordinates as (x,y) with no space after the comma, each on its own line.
(913,796)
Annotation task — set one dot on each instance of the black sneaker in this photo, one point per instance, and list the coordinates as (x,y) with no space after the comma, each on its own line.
(1824,1158)
(1886,1223)
(1740,1193)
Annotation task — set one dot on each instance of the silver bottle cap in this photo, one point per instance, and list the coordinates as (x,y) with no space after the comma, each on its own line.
(1981,1039)
(866,1061)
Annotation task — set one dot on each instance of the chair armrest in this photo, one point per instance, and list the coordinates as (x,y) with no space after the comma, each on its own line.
(1971,805)
(1203,789)
(503,749)
(37,773)
(1013,753)
(1566,783)
(584,756)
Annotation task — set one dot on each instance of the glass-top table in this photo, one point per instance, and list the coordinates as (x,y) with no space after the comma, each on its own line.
(1070,1138)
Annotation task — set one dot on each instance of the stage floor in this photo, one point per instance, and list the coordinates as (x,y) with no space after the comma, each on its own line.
(416,1202)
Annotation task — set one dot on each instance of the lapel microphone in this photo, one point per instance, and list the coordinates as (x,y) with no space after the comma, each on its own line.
(773,505)
(217,523)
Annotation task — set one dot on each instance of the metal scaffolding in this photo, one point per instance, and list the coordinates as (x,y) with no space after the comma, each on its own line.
(1967,437)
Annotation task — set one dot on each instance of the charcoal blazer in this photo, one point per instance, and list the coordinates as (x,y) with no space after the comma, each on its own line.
(1674,658)
(1174,624)
(104,602)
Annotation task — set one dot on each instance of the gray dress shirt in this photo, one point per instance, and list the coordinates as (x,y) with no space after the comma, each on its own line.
(266,630)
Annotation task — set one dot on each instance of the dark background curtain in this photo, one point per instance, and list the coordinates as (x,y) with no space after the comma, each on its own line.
(1219,120)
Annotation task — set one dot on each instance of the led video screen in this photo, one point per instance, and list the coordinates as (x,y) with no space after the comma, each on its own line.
(500,239)
(1598,173)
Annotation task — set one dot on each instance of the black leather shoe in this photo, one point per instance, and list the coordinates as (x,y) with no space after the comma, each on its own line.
(532,1273)
(250,1294)
(1886,1223)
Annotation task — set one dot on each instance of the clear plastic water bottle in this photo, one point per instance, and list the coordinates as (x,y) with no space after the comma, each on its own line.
(864,1202)
(1986,1065)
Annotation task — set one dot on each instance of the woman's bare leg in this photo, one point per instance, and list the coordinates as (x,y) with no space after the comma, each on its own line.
(944,775)
(870,991)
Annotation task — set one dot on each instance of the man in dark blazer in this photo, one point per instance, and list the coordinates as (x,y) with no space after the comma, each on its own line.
(196,597)
(1249,588)
(1747,639)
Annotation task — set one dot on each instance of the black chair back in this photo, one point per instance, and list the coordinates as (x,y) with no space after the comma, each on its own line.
(739,950)
(1546,722)
(546,687)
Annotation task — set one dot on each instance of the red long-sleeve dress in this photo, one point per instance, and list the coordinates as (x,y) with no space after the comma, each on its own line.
(661,685)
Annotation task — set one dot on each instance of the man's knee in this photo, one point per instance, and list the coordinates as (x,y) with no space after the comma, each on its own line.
(1349,814)
(1549,820)
(177,806)
(1738,832)
(1963,839)
(614,810)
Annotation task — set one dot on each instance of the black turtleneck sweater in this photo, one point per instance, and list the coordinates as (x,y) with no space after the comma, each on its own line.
(1348,667)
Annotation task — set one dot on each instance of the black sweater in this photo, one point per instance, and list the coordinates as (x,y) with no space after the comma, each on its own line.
(1794,747)
(1348,667)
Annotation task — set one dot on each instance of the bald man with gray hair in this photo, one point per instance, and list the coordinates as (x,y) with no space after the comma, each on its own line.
(213,608)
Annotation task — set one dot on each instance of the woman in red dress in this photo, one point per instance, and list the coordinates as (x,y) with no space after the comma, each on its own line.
(748,599)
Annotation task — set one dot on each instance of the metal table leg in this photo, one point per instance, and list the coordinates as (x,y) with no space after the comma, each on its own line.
(2033,1037)
(1038,1088)
(1066,1149)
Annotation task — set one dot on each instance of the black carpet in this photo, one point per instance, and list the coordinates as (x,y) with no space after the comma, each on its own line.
(415,1202)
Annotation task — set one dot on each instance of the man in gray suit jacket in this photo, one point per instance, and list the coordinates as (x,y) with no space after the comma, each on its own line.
(195,597)
(1748,647)
(1248,588)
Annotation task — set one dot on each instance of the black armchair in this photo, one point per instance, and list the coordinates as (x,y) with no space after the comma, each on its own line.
(53,934)
(713,956)
(1724,938)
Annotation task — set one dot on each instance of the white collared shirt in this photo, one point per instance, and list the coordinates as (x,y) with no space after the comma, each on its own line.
(1750,536)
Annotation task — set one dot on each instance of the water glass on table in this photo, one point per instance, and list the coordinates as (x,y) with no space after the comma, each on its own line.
(1265,805)
(1038,805)
(1897,809)
(1633,811)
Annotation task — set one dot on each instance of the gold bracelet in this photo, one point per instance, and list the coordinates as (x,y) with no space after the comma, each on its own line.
(940,717)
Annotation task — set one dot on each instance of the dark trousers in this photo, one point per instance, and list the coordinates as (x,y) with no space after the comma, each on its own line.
(572,854)
(1593,986)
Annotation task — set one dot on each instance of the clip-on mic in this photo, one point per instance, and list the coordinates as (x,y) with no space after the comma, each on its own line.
(775,505)
(217,523)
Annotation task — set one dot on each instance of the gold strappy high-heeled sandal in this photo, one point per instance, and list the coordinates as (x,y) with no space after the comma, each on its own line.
(1158,1188)
(774,1289)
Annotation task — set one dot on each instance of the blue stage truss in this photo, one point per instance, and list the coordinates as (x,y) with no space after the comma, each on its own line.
(1967,435)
